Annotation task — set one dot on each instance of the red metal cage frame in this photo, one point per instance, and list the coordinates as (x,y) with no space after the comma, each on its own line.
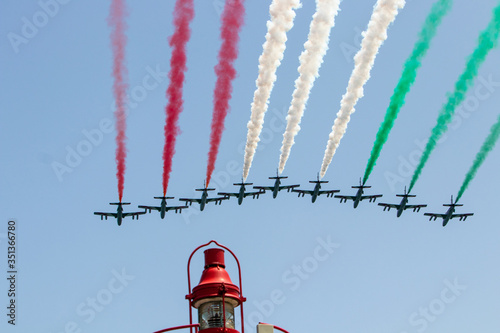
(241,298)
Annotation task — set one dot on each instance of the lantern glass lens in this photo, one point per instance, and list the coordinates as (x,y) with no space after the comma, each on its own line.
(210,315)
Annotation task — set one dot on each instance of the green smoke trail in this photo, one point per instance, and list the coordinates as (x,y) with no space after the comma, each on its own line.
(487,146)
(487,41)
(411,66)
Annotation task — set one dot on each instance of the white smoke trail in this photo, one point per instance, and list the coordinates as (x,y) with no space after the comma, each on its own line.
(384,13)
(310,61)
(282,15)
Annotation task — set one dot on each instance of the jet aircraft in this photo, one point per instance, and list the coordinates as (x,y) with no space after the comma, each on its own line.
(316,191)
(403,205)
(359,195)
(163,207)
(449,213)
(241,193)
(204,198)
(119,215)
(277,185)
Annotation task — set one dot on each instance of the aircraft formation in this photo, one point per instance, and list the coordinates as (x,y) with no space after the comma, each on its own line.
(384,14)
(275,189)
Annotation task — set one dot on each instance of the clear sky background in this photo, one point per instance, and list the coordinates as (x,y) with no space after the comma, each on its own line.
(384,275)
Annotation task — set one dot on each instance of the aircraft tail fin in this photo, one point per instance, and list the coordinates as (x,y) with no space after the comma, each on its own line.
(406,194)
(318,181)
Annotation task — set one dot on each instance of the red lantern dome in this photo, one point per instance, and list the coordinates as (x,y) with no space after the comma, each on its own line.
(215,281)
(215,296)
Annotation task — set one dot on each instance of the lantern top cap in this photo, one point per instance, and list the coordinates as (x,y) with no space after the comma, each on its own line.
(214,257)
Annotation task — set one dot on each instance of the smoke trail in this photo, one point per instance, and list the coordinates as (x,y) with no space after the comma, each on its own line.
(282,16)
(232,20)
(310,62)
(183,15)
(384,13)
(411,66)
(116,21)
(487,146)
(487,41)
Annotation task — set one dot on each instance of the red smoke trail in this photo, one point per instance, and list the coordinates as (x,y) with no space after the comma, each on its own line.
(116,21)
(232,20)
(183,15)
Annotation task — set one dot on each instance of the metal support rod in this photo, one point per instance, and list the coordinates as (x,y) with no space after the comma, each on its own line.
(276,327)
(180,327)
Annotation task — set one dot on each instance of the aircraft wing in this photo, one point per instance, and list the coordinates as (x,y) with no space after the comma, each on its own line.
(217,200)
(133,214)
(415,208)
(329,193)
(105,215)
(345,197)
(191,200)
(264,188)
(389,206)
(462,217)
(434,216)
(303,192)
(228,194)
(288,187)
(178,209)
(370,197)
(151,208)
(254,194)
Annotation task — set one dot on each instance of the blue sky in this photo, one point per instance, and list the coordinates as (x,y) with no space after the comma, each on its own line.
(379,273)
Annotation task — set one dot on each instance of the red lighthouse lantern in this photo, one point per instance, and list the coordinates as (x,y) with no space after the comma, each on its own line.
(216,297)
